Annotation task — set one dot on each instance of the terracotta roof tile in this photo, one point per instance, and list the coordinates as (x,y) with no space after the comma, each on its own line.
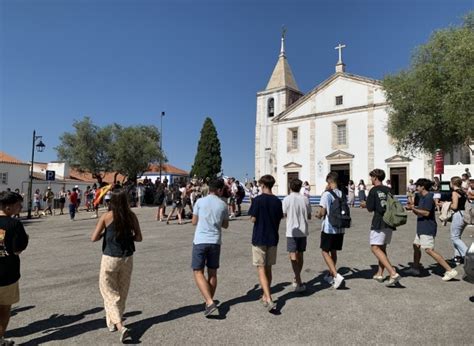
(5,158)
(166,169)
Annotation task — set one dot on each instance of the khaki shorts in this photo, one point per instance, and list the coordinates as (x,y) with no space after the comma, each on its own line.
(264,255)
(9,294)
(424,241)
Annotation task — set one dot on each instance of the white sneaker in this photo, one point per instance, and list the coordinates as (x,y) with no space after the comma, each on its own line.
(338,281)
(449,275)
(294,284)
(392,281)
(299,289)
(329,279)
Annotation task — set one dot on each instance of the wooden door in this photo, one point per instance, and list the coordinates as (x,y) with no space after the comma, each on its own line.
(290,177)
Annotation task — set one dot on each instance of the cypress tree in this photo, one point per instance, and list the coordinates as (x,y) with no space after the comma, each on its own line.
(208,160)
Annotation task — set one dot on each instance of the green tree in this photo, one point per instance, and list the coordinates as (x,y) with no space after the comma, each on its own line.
(432,102)
(208,160)
(134,148)
(87,149)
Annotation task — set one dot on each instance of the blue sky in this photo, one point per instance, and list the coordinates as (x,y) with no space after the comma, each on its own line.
(126,61)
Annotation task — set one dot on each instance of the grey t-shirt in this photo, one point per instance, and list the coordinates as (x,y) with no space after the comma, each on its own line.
(297,209)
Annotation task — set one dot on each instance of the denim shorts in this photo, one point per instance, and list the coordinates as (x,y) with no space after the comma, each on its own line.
(205,255)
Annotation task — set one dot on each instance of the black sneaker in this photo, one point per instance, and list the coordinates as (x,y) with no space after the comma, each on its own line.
(210,309)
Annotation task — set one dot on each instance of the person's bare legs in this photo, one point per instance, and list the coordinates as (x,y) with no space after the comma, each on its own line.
(204,287)
(330,258)
(381,266)
(383,259)
(170,215)
(265,279)
(4,318)
(438,258)
(212,280)
(416,256)
(180,210)
(296,259)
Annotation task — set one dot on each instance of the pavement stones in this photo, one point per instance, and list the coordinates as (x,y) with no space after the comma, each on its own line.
(61,303)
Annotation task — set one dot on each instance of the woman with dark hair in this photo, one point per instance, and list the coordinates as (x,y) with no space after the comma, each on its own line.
(458,202)
(119,229)
(361,188)
(178,205)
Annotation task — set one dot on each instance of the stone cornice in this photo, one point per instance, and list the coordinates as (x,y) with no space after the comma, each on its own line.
(334,112)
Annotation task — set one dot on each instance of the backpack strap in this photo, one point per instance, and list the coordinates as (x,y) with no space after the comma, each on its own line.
(333,194)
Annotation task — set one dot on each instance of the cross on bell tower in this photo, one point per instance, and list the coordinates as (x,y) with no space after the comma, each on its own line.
(340,66)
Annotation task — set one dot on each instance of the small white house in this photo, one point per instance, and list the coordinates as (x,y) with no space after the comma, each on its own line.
(13,172)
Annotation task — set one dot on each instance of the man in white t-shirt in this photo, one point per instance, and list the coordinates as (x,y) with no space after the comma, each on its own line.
(297,210)
(332,237)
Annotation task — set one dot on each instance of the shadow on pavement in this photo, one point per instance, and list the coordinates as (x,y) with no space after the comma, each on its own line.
(21,309)
(253,294)
(471,299)
(52,322)
(140,327)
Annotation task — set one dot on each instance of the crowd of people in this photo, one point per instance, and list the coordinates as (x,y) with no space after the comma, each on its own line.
(212,203)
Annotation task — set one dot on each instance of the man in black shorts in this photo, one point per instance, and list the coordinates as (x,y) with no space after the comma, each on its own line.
(331,237)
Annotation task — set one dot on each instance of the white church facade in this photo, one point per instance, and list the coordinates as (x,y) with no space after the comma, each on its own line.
(340,125)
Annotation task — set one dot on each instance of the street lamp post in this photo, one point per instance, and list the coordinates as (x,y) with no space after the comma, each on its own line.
(161,144)
(40,148)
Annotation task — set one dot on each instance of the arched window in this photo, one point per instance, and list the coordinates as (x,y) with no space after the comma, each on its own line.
(271,107)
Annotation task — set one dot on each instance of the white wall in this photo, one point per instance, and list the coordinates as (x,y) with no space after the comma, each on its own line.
(16,175)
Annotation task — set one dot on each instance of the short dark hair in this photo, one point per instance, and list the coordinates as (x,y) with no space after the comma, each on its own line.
(267,180)
(378,173)
(332,177)
(426,183)
(216,184)
(8,198)
(295,185)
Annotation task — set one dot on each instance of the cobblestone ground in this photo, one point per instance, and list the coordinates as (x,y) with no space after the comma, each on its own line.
(61,304)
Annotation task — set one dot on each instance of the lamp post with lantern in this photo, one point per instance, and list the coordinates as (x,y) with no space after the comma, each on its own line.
(40,148)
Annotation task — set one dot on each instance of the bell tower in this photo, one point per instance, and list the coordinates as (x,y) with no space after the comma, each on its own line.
(281,92)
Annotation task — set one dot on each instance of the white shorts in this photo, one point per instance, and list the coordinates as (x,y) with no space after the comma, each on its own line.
(380,237)
(424,241)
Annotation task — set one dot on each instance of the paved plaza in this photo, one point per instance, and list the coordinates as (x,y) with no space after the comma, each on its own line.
(61,304)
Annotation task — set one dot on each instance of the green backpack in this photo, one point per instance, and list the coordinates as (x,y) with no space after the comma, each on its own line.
(395,214)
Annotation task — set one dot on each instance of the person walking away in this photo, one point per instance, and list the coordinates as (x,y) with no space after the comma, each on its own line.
(361,192)
(332,238)
(240,195)
(426,228)
(297,210)
(78,203)
(458,202)
(49,195)
(13,240)
(177,203)
(160,200)
(119,229)
(266,213)
(210,215)
(380,232)
(62,200)
(72,203)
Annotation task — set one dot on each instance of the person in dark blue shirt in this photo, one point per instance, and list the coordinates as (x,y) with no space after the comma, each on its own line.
(266,213)
(426,228)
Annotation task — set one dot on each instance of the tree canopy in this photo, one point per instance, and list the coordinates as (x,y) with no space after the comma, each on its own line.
(432,102)
(112,148)
(208,160)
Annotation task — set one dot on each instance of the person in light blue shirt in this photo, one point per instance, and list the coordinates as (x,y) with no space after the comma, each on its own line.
(210,215)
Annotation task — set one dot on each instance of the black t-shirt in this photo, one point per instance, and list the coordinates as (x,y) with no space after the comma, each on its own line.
(111,246)
(426,225)
(462,198)
(268,211)
(13,238)
(377,202)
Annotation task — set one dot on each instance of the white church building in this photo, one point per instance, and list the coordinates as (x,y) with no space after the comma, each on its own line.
(340,125)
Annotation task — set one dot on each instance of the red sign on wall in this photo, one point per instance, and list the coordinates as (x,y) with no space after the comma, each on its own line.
(439,162)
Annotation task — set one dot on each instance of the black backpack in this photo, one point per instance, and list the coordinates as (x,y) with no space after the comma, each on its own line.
(339,213)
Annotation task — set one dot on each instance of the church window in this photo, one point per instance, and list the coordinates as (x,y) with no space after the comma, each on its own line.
(271,107)
(341,134)
(339,100)
(292,139)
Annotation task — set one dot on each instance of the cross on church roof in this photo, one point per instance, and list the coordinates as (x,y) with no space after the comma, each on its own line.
(340,46)
(283,34)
